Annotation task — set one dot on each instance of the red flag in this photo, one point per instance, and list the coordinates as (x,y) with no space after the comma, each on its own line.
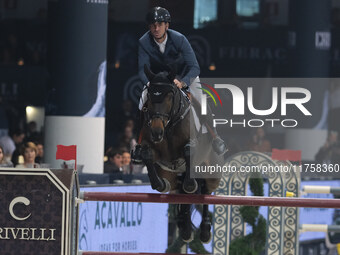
(66,152)
(286,155)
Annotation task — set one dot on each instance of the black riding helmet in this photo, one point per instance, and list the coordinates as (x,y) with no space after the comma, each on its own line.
(158,14)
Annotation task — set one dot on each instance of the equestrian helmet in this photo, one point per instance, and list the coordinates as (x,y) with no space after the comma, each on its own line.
(158,14)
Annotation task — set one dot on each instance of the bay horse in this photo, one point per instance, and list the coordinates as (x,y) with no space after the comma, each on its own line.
(170,144)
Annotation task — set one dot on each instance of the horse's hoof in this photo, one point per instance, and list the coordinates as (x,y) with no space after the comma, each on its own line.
(190,186)
(167,186)
(188,239)
(205,233)
(205,237)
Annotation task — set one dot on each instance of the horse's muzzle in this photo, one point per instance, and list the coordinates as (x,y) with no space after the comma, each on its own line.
(157,134)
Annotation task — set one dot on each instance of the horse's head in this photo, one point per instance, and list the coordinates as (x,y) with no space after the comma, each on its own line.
(160,102)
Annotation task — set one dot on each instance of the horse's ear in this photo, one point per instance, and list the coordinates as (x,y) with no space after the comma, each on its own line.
(172,73)
(149,74)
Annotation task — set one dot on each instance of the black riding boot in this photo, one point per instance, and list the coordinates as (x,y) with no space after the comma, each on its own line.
(218,144)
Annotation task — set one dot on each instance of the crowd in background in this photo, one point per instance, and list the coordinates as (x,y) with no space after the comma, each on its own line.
(22,148)
(118,149)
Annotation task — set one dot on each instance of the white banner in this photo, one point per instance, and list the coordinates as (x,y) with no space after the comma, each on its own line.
(123,226)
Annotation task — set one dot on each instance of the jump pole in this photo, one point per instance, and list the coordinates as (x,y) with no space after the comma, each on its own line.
(319,228)
(321,189)
(123,253)
(210,199)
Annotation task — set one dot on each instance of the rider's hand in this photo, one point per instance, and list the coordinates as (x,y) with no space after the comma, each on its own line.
(178,83)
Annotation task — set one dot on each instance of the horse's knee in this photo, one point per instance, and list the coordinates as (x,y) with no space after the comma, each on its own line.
(157,183)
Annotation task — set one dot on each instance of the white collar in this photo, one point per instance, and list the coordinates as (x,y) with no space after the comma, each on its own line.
(162,44)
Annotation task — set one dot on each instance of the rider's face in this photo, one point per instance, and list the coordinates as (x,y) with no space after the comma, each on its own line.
(158,29)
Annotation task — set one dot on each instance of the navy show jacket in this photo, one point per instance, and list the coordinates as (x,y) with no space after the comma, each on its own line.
(178,52)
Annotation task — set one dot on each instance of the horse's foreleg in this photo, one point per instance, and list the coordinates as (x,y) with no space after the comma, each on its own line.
(184,223)
(205,227)
(189,184)
(157,183)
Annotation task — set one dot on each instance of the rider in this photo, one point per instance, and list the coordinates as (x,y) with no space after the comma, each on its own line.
(160,48)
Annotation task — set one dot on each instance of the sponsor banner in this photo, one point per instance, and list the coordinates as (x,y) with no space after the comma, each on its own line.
(123,226)
(34,213)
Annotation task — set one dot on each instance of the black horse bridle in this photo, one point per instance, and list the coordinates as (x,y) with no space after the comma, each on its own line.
(175,115)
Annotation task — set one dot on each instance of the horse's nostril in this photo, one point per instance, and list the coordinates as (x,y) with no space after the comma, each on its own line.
(157,133)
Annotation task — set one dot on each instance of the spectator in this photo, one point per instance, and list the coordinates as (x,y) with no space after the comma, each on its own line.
(11,53)
(40,153)
(330,151)
(126,162)
(130,123)
(128,112)
(3,161)
(32,134)
(127,140)
(114,162)
(259,142)
(139,169)
(29,152)
(12,142)
(128,167)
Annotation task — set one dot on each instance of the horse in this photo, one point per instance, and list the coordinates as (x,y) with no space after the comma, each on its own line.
(169,146)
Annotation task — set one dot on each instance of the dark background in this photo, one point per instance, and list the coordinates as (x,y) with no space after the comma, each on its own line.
(272,42)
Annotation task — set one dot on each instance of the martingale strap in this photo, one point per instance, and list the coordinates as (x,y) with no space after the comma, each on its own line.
(181,117)
(183,110)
